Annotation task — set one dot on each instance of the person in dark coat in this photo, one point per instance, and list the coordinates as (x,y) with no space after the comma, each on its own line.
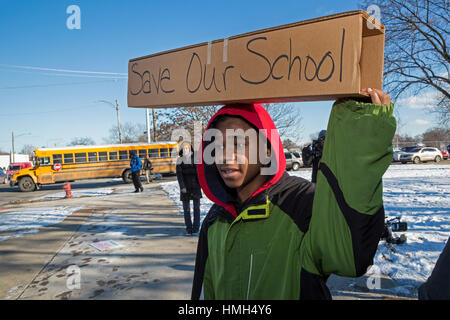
(437,286)
(136,166)
(317,148)
(148,169)
(189,187)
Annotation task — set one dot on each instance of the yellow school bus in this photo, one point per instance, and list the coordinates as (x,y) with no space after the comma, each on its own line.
(67,164)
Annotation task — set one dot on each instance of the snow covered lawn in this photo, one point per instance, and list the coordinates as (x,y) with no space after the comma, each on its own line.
(15,224)
(420,195)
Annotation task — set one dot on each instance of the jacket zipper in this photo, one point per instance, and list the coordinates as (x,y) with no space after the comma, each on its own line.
(250,275)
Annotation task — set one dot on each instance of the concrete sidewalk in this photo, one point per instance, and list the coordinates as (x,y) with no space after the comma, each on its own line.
(155,259)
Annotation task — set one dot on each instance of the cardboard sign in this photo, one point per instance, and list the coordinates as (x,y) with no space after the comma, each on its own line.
(319,59)
(105,245)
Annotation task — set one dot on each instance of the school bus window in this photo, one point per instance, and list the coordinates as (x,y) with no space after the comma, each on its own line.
(68,158)
(103,156)
(44,161)
(92,156)
(173,153)
(164,153)
(57,158)
(153,153)
(80,157)
(123,155)
(142,153)
(113,155)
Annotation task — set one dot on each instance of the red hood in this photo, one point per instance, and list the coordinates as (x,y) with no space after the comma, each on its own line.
(209,177)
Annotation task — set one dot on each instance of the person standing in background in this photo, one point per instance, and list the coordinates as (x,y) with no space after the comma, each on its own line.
(189,187)
(136,166)
(317,148)
(148,169)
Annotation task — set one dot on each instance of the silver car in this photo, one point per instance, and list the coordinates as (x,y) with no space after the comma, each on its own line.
(292,162)
(419,155)
(398,153)
(3,177)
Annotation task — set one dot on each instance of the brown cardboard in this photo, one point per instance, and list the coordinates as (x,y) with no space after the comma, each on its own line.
(319,59)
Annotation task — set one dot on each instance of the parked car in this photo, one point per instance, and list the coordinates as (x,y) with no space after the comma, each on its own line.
(418,155)
(297,154)
(445,154)
(292,162)
(3,176)
(403,150)
(16,166)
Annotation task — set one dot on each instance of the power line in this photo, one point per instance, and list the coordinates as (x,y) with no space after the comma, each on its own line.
(61,70)
(68,75)
(42,112)
(56,84)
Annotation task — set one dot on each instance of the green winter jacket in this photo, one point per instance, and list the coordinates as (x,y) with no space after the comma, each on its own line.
(290,235)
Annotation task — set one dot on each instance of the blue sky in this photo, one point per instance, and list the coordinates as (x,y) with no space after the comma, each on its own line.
(48,108)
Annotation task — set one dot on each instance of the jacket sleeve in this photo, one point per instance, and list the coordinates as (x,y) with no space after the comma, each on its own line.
(202,287)
(139,163)
(180,174)
(348,215)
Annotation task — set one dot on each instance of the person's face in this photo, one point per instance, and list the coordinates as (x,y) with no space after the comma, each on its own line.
(186,150)
(236,170)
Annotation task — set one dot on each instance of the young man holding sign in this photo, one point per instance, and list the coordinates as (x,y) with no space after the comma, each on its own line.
(274,236)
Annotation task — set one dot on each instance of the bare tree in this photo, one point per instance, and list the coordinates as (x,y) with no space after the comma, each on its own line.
(131,132)
(287,118)
(28,149)
(81,141)
(289,144)
(436,137)
(416,53)
(185,118)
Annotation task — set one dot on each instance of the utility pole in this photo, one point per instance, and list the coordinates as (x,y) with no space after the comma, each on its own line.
(149,139)
(118,121)
(154,124)
(12,159)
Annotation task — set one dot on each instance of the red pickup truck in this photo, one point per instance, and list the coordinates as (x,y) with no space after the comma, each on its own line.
(16,166)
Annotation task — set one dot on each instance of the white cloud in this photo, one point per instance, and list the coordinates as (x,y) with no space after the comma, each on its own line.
(426,100)
(420,122)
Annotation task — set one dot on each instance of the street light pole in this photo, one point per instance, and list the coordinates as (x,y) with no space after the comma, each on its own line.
(118,121)
(12,159)
(118,115)
(154,124)
(149,139)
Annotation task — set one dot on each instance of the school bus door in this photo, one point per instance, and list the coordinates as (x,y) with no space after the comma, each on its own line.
(44,171)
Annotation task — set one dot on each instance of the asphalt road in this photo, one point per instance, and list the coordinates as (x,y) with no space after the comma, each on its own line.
(13,194)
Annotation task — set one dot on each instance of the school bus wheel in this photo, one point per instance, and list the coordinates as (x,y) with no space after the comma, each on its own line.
(126,176)
(26,184)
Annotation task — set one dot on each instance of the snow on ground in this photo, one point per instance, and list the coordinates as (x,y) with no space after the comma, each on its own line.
(420,195)
(78,193)
(15,224)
